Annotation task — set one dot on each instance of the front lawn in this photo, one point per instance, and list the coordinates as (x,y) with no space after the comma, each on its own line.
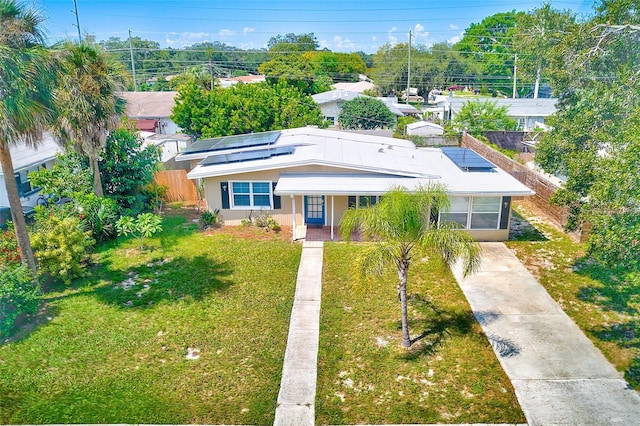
(365,376)
(605,303)
(191,331)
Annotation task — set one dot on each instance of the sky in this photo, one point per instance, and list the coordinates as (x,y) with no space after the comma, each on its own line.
(339,25)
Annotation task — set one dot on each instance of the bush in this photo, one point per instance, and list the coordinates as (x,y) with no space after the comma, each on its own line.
(61,246)
(266,222)
(210,218)
(19,295)
(97,215)
(9,251)
(145,225)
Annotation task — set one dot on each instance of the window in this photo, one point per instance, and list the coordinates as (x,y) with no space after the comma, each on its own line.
(22,180)
(251,194)
(458,211)
(367,200)
(485,212)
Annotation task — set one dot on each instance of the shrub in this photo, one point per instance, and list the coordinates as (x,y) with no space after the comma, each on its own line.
(145,225)
(97,215)
(210,218)
(266,222)
(61,246)
(19,295)
(9,251)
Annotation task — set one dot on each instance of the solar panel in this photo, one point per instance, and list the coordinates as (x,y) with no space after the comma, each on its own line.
(468,160)
(239,157)
(233,142)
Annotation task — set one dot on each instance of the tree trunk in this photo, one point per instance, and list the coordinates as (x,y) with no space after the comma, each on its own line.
(17,214)
(403,269)
(97,180)
(536,88)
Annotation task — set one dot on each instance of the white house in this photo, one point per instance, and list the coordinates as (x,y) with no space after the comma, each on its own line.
(424,128)
(309,177)
(527,112)
(331,102)
(151,110)
(27,159)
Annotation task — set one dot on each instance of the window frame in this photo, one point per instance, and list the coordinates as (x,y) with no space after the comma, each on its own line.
(470,213)
(252,204)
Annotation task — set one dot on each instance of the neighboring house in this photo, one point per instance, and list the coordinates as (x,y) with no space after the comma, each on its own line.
(331,102)
(358,87)
(309,176)
(246,79)
(151,111)
(526,112)
(424,128)
(25,160)
(170,145)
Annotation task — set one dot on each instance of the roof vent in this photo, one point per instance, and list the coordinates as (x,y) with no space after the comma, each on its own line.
(380,149)
(390,147)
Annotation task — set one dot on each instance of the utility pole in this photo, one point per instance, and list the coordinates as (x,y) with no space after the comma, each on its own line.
(75,11)
(133,65)
(409,70)
(515,71)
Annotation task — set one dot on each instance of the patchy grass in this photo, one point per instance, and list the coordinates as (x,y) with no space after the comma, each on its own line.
(116,348)
(451,375)
(605,303)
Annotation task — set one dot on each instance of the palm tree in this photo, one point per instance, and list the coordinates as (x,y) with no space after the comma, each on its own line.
(400,222)
(27,75)
(87,101)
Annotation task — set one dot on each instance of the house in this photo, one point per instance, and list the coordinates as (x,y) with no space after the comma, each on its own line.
(246,79)
(526,112)
(358,87)
(151,110)
(25,160)
(170,145)
(331,102)
(424,128)
(309,177)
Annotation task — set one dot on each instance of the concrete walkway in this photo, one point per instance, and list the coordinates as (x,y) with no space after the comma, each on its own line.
(559,376)
(296,400)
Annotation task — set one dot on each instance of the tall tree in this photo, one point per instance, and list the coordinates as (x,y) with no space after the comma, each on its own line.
(27,74)
(536,35)
(490,43)
(595,138)
(400,224)
(87,101)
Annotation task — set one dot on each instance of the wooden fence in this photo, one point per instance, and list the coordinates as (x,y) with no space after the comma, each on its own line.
(543,187)
(180,187)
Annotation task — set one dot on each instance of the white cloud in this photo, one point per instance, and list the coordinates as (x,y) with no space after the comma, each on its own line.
(453,27)
(247,30)
(341,43)
(374,38)
(224,33)
(419,32)
(455,39)
(391,37)
(178,40)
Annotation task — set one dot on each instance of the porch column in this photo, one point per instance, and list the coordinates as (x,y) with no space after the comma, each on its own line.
(332,203)
(293,222)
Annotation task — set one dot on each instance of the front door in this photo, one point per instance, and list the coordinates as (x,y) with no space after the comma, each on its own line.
(314,209)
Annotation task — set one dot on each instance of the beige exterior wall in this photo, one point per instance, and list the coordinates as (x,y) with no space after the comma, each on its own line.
(335,206)
(284,215)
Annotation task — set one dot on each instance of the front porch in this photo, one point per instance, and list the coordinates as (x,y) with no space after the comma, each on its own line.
(320,233)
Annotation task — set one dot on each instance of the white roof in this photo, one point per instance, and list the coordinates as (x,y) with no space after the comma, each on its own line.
(361,164)
(24,157)
(358,87)
(420,124)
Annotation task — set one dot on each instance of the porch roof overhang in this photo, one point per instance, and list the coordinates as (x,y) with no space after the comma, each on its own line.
(345,183)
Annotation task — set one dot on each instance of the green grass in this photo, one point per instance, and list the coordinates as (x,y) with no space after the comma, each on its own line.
(112,355)
(605,303)
(365,376)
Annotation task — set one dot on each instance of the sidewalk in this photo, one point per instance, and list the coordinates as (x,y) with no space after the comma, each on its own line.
(296,399)
(559,376)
